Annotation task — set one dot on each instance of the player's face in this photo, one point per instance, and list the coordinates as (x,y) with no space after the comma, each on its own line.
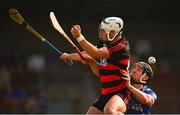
(103,34)
(136,72)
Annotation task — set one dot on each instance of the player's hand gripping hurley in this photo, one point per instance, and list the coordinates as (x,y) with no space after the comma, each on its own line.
(16,17)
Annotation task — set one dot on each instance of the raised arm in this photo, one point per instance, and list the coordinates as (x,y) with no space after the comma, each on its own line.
(92,50)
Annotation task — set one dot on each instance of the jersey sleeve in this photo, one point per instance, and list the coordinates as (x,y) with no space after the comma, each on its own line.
(117,47)
(152,93)
(120,50)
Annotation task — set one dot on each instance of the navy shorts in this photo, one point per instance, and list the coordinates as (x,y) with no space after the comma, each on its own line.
(103,99)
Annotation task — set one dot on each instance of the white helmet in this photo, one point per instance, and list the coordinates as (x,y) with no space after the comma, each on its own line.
(112,23)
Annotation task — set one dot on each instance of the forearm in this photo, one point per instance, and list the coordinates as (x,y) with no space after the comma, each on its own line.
(74,57)
(94,67)
(93,51)
(92,62)
(89,48)
(141,96)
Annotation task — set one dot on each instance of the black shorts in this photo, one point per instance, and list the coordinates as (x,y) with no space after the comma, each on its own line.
(103,99)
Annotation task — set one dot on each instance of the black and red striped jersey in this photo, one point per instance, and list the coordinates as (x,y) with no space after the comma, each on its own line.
(116,66)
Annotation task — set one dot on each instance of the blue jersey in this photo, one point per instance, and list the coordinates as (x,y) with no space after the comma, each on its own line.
(135,107)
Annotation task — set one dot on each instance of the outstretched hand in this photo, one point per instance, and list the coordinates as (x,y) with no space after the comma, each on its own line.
(75,57)
(64,57)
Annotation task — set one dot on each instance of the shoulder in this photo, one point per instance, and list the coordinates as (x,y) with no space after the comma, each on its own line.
(120,45)
(149,91)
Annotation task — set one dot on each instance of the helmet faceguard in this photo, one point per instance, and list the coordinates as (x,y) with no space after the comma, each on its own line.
(112,24)
(147,70)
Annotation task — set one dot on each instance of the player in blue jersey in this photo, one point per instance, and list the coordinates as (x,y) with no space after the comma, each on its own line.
(143,96)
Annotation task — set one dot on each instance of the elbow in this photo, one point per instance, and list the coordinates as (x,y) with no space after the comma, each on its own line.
(99,54)
(96,54)
(149,104)
(149,101)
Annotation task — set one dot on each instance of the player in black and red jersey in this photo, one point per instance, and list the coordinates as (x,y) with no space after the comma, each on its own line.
(115,57)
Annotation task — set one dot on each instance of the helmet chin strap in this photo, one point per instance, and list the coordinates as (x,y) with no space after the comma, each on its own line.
(142,78)
(133,81)
(111,39)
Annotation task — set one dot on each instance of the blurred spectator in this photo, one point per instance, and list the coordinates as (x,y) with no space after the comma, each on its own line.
(31,105)
(15,100)
(36,63)
(4,77)
(36,103)
(42,102)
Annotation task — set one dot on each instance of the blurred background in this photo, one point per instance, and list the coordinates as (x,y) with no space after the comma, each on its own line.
(34,80)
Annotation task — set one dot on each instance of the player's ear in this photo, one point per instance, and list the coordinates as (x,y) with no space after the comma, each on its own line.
(145,78)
